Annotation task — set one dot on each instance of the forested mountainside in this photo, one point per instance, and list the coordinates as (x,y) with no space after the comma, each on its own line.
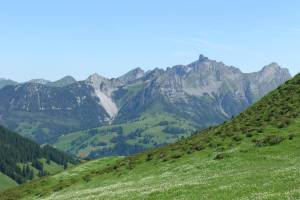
(255,155)
(22,160)
(101,116)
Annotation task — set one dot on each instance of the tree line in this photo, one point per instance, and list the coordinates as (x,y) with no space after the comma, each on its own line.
(19,156)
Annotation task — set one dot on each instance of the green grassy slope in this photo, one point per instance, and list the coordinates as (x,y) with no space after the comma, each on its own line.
(148,131)
(6,182)
(254,156)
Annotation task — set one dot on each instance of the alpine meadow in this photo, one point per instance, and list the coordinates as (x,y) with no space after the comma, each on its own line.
(149,100)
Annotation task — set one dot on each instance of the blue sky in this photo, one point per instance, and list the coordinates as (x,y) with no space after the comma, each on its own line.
(50,39)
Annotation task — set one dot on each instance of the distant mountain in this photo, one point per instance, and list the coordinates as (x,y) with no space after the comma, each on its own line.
(65,81)
(255,155)
(131,76)
(22,160)
(5,82)
(205,91)
(39,81)
(95,117)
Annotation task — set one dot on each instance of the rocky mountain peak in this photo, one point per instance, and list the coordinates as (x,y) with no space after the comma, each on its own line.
(95,76)
(274,69)
(206,66)
(39,81)
(132,75)
(96,80)
(180,70)
(202,58)
(103,90)
(138,71)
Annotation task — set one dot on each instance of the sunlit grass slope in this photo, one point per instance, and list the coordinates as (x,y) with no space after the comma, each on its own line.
(143,133)
(6,182)
(254,156)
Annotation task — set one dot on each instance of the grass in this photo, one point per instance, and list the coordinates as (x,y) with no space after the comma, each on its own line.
(6,182)
(53,167)
(31,124)
(81,143)
(246,172)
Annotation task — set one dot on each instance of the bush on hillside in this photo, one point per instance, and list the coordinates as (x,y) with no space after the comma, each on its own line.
(249,134)
(291,136)
(237,138)
(220,156)
(163,123)
(149,157)
(269,140)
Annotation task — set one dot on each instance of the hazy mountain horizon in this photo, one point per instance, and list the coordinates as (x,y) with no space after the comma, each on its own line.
(44,80)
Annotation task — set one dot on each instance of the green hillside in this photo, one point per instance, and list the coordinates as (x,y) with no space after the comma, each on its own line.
(22,160)
(148,131)
(6,182)
(254,156)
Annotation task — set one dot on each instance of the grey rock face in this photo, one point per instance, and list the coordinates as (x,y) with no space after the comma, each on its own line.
(217,90)
(131,76)
(39,81)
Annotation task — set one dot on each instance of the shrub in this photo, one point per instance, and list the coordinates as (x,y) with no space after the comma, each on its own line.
(237,138)
(220,156)
(212,145)
(220,149)
(87,178)
(163,123)
(280,125)
(93,132)
(249,134)
(269,140)
(260,130)
(149,157)
(189,151)
(291,136)
(161,155)
(176,156)
(218,132)
(174,130)
(229,133)
(206,139)
(198,147)
(244,150)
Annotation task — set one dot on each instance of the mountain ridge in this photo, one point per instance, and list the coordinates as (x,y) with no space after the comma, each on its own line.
(205,92)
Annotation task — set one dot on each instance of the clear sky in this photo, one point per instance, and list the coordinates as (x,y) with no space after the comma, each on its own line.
(50,39)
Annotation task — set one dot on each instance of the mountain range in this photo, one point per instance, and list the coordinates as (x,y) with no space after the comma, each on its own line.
(139,110)
(254,155)
(67,80)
